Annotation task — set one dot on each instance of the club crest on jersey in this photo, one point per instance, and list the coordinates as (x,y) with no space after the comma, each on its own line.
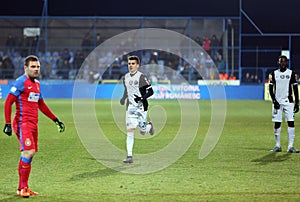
(130,82)
(282,76)
(135,82)
(27,142)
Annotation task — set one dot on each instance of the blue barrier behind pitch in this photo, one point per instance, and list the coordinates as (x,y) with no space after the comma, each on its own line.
(115,91)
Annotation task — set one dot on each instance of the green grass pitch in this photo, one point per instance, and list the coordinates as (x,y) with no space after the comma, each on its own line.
(240,168)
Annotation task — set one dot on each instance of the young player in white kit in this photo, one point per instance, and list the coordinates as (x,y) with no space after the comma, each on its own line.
(137,90)
(283,82)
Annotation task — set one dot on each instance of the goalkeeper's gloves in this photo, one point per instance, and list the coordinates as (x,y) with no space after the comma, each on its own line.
(7,129)
(276,104)
(60,125)
(122,101)
(137,98)
(296,108)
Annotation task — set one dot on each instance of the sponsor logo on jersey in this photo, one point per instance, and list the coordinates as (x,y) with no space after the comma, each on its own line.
(33,97)
(135,82)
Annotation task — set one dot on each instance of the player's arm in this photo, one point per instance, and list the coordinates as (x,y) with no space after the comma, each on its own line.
(7,113)
(45,110)
(271,91)
(271,86)
(145,89)
(125,95)
(149,92)
(296,93)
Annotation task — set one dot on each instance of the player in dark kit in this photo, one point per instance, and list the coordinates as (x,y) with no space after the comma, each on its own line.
(283,82)
(25,93)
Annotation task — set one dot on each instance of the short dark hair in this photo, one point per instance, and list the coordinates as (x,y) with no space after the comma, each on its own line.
(134,57)
(283,57)
(29,59)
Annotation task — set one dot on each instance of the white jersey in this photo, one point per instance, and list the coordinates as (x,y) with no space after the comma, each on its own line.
(132,85)
(136,84)
(282,82)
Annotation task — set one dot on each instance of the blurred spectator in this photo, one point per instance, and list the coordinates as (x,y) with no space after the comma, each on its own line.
(86,44)
(247,78)
(34,44)
(78,60)
(66,56)
(99,39)
(220,63)
(214,45)
(153,67)
(10,45)
(59,65)
(7,68)
(198,40)
(256,79)
(206,45)
(24,46)
(172,61)
(210,67)
(153,56)
(65,70)
(201,70)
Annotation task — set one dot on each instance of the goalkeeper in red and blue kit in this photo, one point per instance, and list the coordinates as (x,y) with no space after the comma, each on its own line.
(26,94)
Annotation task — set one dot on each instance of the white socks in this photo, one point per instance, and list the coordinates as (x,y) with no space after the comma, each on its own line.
(277,136)
(291,134)
(148,127)
(129,143)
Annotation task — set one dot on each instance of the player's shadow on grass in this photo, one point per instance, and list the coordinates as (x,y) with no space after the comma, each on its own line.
(95,174)
(105,171)
(10,196)
(273,157)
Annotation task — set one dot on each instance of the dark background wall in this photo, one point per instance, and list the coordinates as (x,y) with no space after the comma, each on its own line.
(267,16)
(270,15)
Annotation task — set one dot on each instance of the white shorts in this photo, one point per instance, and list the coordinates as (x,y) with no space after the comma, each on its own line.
(136,116)
(287,109)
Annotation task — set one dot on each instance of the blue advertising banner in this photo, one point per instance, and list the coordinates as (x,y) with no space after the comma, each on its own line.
(161,91)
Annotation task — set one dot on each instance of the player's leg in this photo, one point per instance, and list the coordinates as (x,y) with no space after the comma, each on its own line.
(28,146)
(129,146)
(291,137)
(131,124)
(290,118)
(277,118)
(145,127)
